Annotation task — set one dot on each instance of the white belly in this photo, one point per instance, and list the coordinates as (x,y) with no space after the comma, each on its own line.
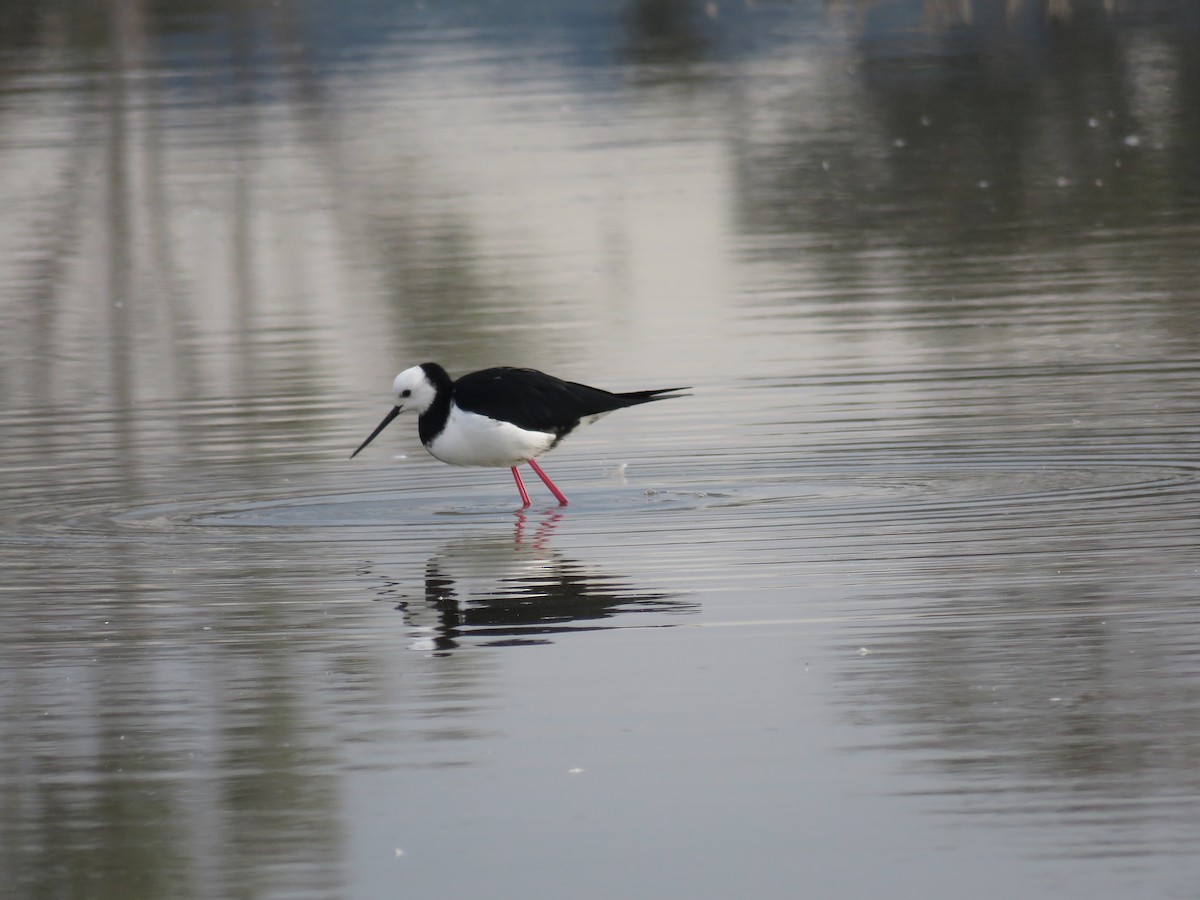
(470,439)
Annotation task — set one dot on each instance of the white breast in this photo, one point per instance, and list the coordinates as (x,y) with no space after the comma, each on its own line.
(470,439)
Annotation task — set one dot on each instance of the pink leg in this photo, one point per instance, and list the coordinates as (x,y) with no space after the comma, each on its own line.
(521,487)
(558,495)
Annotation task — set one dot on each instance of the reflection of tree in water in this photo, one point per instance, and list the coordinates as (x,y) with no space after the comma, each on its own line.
(501,591)
(980,128)
(939,15)
(666,34)
(1010,145)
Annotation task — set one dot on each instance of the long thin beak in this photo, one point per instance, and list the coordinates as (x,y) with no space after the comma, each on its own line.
(396,410)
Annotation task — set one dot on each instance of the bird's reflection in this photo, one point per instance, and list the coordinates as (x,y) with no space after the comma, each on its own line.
(537,536)
(513,590)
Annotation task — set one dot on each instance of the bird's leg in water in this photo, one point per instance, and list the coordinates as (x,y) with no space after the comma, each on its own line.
(521,487)
(558,495)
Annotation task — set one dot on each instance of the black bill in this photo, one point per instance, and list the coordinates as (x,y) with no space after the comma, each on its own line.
(382,425)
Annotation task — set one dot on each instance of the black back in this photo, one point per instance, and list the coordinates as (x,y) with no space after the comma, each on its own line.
(529,399)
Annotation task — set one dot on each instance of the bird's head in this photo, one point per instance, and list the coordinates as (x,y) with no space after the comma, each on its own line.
(413,389)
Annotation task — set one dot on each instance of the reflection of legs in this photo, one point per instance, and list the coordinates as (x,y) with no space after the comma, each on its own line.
(521,487)
(558,495)
(541,534)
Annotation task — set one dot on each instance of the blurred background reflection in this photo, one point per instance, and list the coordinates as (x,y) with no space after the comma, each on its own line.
(924,535)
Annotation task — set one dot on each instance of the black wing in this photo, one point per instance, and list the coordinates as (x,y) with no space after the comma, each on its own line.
(536,401)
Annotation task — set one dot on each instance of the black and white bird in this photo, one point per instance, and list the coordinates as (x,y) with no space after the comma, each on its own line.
(502,416)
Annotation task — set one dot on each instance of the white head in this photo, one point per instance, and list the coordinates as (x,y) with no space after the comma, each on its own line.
(414,389)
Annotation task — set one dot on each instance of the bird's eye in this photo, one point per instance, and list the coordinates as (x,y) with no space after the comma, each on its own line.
(406,393)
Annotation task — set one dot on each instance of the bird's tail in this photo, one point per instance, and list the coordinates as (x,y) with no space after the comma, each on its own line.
(633,398)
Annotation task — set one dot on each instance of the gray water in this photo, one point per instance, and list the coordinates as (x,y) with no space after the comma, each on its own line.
(901,601)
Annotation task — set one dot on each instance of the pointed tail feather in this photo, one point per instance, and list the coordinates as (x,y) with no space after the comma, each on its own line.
(633,398)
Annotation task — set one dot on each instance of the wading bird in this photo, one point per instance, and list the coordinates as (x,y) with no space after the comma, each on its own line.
(502,416)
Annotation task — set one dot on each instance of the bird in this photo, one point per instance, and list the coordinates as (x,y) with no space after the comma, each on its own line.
(503,416)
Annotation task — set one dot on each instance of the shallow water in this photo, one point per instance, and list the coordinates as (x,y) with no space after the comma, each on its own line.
(902,597)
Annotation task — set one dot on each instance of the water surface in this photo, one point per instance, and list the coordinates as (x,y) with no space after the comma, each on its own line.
(902,598)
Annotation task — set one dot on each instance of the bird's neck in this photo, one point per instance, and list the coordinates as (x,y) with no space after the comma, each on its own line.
(431,422)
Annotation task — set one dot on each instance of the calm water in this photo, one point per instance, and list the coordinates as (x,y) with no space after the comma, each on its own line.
(904,598)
